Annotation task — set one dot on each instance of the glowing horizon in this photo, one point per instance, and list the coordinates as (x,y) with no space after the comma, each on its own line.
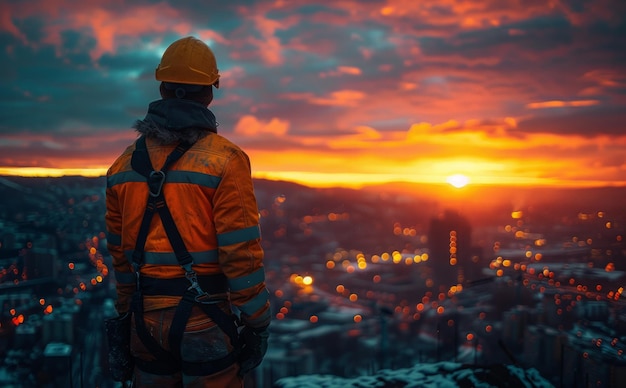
(330,180)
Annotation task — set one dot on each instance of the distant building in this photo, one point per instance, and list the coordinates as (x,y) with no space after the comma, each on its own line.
(592,310)
(514,326)
(59,326)
(543,349)
(42,262)
(279,363)
(557,309)
(593,364)
(25,336)
(28,257)
(449,243)
(58,367)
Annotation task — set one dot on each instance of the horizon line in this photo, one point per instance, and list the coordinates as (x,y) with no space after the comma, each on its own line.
(339,180)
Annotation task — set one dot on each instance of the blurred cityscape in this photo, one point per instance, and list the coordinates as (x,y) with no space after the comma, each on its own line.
(362,281)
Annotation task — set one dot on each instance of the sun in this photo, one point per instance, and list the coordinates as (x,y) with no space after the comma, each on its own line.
(458,180)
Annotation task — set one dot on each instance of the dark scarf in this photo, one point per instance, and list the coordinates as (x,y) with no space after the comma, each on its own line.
(173,120)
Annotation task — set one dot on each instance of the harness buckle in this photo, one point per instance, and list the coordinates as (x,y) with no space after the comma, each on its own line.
(202,296)
(156,179)
(205,298)
(193,279)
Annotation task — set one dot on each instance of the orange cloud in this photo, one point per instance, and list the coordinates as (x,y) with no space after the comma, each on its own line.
(467,14)
(268,47)
(340,98)
(341,70)
(363,138)
(561,104)
(6,24)
(251,126)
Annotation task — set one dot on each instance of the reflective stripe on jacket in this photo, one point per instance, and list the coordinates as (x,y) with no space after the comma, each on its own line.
(210,194)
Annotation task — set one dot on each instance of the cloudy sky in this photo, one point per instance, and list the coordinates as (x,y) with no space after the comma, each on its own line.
(332,92)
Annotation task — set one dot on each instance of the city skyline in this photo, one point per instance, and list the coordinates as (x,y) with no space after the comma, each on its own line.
(355,289)
(332,94)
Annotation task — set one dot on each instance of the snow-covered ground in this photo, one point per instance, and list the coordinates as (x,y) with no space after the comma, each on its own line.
(435,375)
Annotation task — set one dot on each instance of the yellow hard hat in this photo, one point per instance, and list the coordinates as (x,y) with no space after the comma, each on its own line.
(188,61)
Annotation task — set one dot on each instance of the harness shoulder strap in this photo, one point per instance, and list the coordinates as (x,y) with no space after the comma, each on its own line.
(141,163)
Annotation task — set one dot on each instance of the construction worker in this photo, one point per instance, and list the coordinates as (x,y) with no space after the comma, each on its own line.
(183,230)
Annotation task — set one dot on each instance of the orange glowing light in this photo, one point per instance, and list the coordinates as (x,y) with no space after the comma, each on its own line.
(458,180)
(313,319)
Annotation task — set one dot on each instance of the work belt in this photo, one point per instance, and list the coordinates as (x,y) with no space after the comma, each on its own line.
(211,284)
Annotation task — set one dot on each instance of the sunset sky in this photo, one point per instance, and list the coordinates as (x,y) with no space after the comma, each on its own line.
(327,93)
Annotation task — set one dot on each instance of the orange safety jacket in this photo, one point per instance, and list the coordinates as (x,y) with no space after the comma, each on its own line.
(210,195)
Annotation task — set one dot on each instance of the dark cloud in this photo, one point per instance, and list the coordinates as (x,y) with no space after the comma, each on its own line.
(588,122)
(536,35)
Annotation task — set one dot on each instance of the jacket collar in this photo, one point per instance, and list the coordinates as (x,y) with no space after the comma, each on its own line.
(174,120)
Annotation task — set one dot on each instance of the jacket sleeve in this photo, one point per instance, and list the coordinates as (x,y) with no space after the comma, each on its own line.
(123,270)
(236,218)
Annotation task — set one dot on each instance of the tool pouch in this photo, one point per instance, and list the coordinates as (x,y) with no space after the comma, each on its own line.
(121,362)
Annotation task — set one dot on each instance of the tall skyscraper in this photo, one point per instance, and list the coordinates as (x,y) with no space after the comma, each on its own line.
(449,243)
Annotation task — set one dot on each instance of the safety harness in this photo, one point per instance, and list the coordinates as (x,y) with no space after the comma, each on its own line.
(195,290)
